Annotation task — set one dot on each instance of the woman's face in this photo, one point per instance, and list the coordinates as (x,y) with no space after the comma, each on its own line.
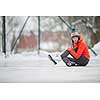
(75,39)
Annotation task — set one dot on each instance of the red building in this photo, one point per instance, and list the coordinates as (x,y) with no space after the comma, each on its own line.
(27,43)
(58,37)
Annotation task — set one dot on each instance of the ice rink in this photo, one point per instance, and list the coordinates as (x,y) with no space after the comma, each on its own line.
(38,68)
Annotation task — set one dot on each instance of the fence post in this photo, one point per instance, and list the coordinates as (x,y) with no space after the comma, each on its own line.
(38,34)
(4,35)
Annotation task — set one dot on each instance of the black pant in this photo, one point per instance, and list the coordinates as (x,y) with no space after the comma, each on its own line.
(82,61)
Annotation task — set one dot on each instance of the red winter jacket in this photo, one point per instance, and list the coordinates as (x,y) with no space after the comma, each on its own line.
(82,49)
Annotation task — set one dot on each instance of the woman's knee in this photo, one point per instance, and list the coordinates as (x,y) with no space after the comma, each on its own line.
(64,54)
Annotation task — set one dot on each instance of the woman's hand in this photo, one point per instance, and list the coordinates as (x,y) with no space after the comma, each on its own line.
(69,49)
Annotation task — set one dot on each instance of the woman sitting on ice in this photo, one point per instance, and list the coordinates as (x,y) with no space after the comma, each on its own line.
(79,52)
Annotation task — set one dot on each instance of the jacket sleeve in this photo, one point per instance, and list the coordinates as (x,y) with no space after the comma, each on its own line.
(79,51)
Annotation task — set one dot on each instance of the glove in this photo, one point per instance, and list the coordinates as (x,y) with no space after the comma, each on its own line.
(69,49)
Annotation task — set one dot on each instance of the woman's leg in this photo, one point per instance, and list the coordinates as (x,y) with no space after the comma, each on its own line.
(64,56)
(82,61)
(67,60)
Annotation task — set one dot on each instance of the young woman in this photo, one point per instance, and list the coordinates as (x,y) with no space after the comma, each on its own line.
(79,52)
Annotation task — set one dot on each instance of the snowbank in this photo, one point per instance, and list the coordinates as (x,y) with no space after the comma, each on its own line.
(28,56)
(95,60)
(97,48)
(2,56)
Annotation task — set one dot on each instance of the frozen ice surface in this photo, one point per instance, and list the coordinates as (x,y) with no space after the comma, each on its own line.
(30,67)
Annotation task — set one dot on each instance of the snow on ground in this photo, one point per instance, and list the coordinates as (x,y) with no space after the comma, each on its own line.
(95,60)
(30,67)
(97,48)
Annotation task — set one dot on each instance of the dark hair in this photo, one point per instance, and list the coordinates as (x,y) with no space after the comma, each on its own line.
(73,37)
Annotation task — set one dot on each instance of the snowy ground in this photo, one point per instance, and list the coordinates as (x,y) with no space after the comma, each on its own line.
(30,67)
